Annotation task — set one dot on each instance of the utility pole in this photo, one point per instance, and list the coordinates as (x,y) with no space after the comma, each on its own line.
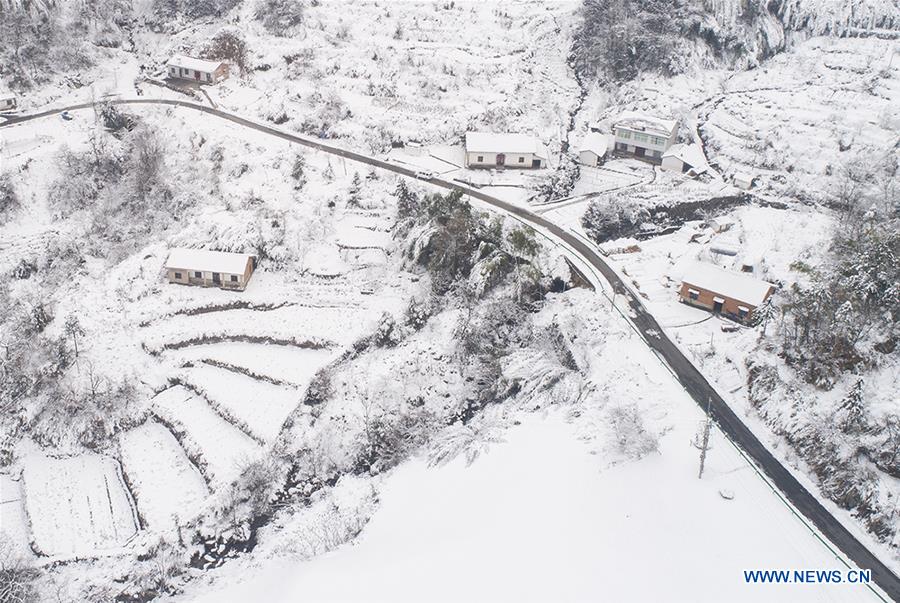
(704,440)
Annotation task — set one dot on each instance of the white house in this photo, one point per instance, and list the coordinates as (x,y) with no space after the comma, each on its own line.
(644,136)
(742,180)
(209,268)
(189,68)
(7,101)
(593,149)
(492,150)
(684,158)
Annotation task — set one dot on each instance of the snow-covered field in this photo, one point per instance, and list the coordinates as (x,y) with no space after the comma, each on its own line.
(77,505)
(567,507)
(168,488)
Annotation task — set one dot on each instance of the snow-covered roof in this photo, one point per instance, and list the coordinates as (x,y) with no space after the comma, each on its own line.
(742,177)
(5,96)
(595,142)
(735,285)
(635,120)
(207,261)
(690,154)
(492,142)
(186,62)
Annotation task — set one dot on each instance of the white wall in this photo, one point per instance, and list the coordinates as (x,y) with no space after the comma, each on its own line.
(490,160)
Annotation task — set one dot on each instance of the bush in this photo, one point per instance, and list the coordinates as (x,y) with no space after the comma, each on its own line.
(9,200)
(279,16)
(228,45)
(611,217)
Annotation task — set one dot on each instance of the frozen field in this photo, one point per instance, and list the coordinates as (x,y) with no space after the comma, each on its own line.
(223,448)
(288,364)
(13,520)
(257,406)
(168,488)
(77,505)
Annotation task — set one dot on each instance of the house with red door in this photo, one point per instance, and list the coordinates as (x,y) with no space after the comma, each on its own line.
(182,67)
(510,150)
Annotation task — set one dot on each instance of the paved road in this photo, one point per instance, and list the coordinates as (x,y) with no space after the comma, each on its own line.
(691,379)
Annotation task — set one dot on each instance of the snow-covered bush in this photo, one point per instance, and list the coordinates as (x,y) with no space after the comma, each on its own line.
(611,217)
(228,45)
(17,577)
(631,439)
(279,16)
(9,200)
(561,182)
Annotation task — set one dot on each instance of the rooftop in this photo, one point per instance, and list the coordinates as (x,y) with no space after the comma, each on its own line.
(596,143)
(635,120)
(207,261)
(735,285)
(690,154)
(186,62)
(491,142)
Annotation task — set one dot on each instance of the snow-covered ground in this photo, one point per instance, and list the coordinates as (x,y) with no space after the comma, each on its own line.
(168,488)
(77,505)
(544,517)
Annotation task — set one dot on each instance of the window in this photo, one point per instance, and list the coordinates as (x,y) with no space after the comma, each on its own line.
(656,153)
(624,134)
(743,312)
(693,294)
(621,146)
(657,140)
(480,159)
(178,275)
(198,275)
(640,137)
(233,278)
(521,160)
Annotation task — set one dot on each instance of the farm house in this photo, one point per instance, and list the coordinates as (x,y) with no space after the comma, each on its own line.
(7,102)
(593,149)
(644,136)
(199,70)
(492,150)
(210,268)
(721,291)
(684,158)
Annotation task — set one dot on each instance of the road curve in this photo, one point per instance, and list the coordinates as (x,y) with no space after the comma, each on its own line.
(691,379)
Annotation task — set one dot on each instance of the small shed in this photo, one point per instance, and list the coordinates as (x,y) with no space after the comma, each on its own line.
(198,70)
(206,268)
(593,149)
(732,294)
(684,158)
(510,150)
(743,180)
(7,101)
(720,223)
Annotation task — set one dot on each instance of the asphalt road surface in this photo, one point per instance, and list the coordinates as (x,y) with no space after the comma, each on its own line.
(691,379)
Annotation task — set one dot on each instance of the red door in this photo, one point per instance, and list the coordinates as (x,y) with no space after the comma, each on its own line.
(501,159)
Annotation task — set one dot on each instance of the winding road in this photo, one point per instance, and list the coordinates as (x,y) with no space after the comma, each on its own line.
(803,501)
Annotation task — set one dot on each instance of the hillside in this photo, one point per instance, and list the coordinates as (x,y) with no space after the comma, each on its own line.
(415,388)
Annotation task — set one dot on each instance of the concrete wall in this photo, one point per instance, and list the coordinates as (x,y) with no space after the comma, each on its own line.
(589,158)
(673,164)
(489,160)
(706,300)
(189,277)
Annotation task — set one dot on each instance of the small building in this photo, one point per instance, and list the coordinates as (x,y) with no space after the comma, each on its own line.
(7,101)
(198,70)
(210,268)
(684,158)
(742,180)
(492,150)
(732,294)
(593,149)
(720,223)
(644,136)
